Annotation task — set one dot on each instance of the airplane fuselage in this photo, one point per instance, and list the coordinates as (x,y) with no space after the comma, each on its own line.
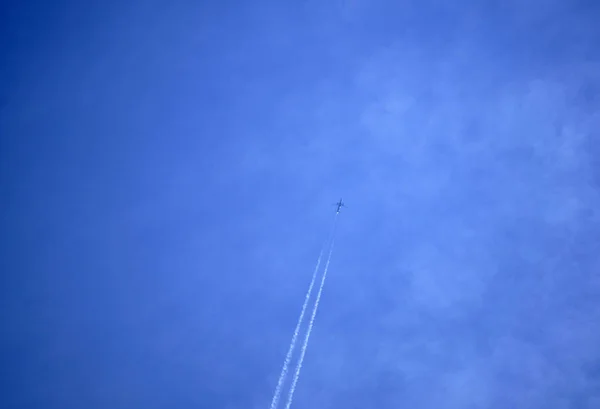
(339,205)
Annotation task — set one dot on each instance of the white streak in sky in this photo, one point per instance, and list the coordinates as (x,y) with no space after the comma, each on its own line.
(288,357)
(309,330)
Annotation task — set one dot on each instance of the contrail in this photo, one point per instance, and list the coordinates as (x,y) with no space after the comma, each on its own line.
(310,325)
(288,357)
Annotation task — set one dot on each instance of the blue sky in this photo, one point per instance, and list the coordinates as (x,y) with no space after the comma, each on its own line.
(166,180)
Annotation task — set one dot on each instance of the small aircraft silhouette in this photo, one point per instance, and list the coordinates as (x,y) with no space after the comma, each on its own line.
(339,205)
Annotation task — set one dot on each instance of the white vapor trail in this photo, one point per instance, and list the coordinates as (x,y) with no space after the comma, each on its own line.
(288,357)
(310,326)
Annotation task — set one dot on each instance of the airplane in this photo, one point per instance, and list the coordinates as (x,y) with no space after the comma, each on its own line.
(339,205)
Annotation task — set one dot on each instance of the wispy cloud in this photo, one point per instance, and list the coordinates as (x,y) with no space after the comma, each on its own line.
(462,135)
(485,162)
